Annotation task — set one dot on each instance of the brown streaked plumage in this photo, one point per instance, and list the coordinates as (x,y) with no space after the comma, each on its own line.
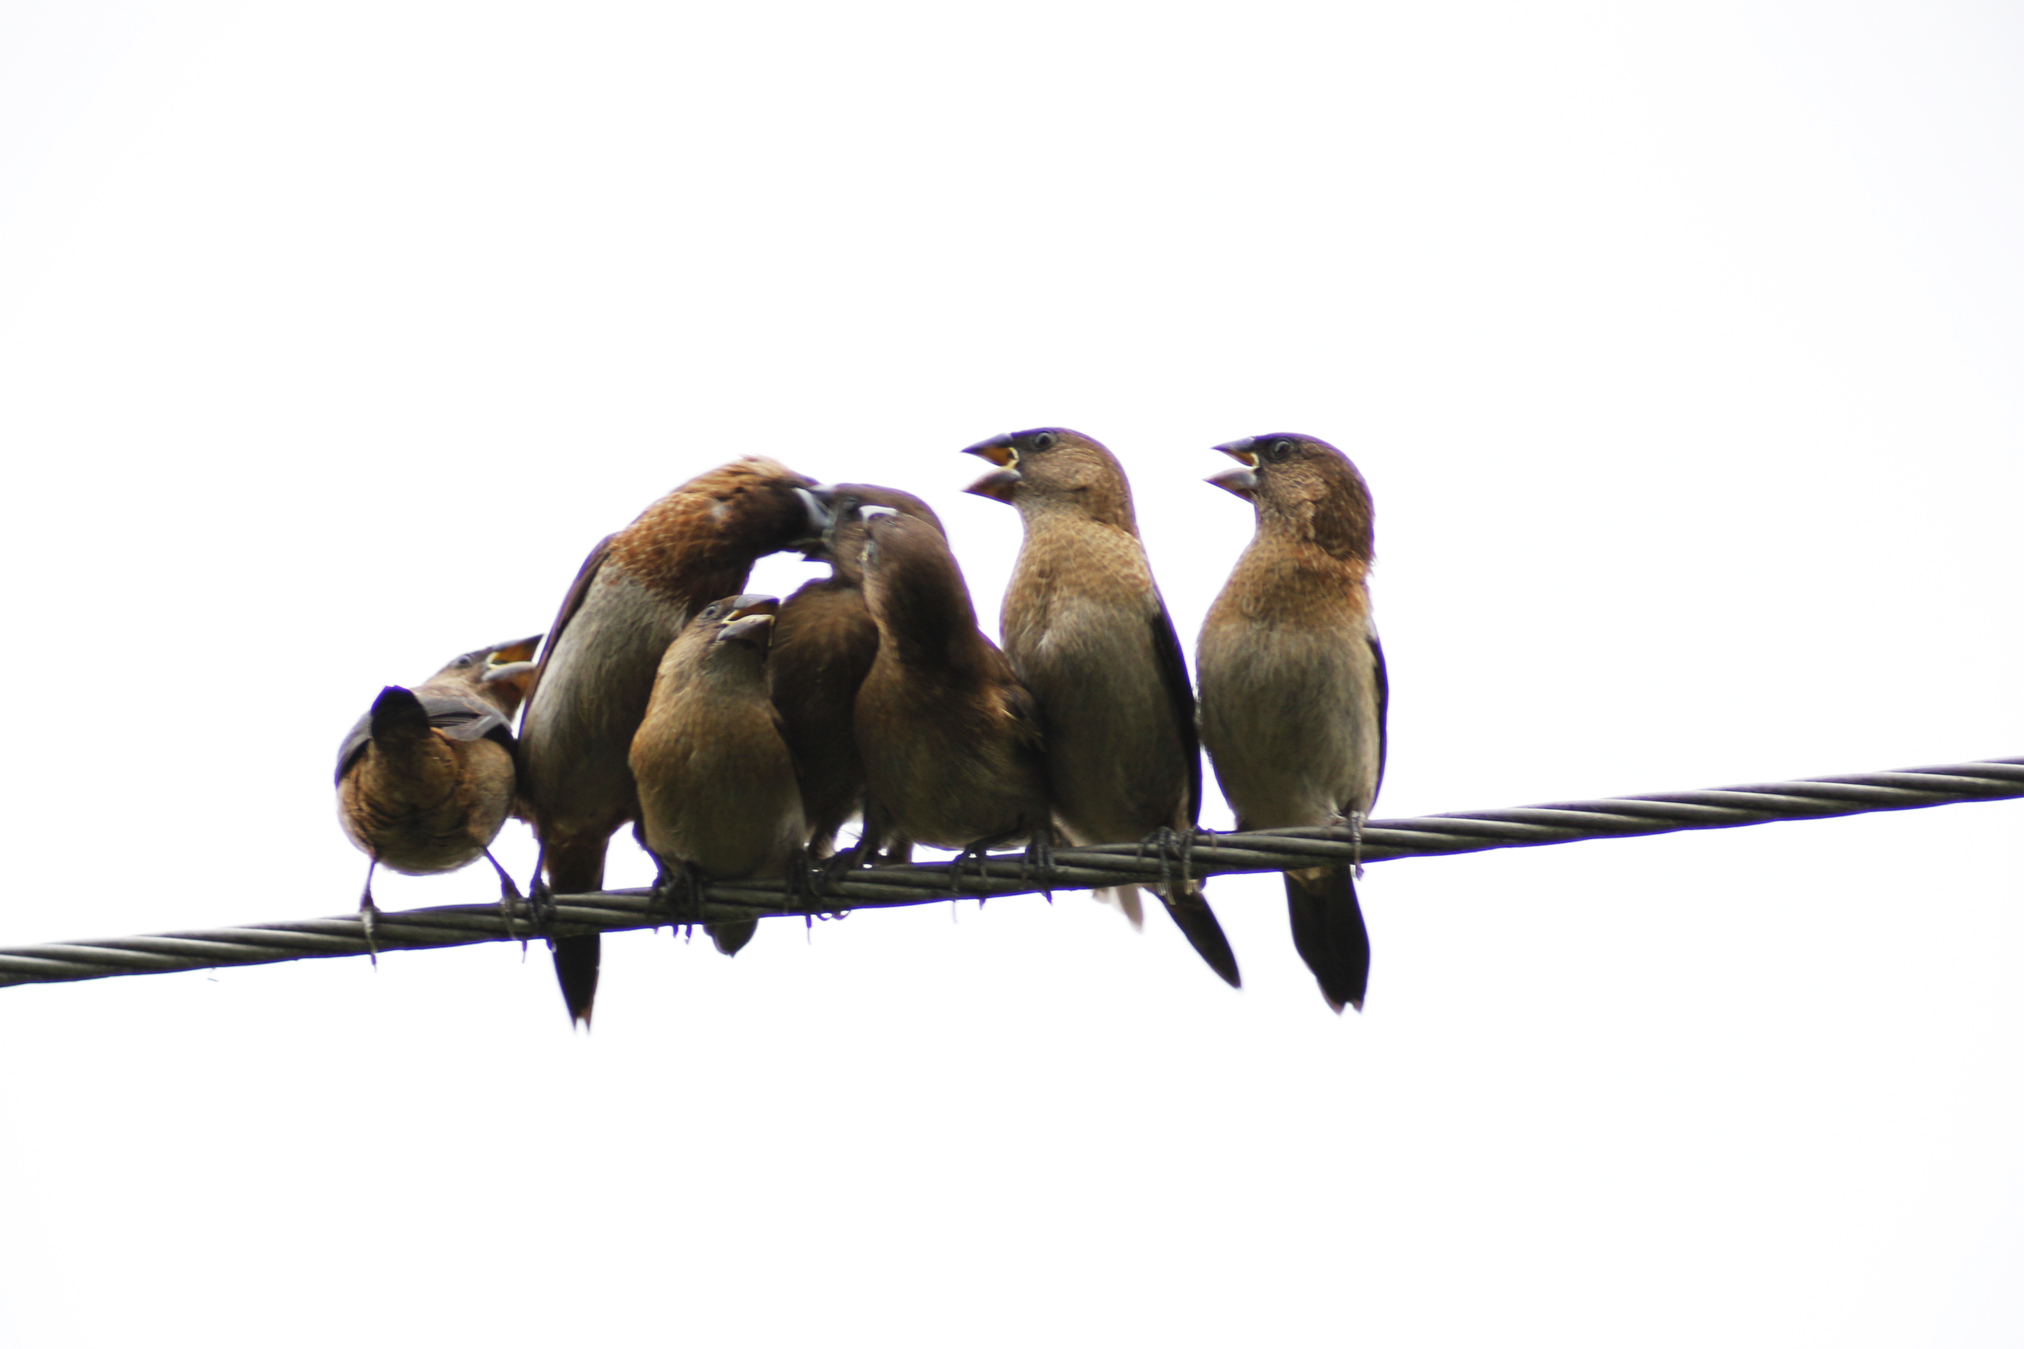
(633,596)
(824,643)
(952,747)
(718,798)
(1086,630)
(1293,681)
(425,778)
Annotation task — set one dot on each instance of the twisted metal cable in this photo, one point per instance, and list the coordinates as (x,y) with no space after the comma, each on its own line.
(1008,874)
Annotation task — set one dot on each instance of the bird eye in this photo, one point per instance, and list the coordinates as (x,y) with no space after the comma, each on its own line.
(1279,450)
(712,611)
(462,663)
(1044,441)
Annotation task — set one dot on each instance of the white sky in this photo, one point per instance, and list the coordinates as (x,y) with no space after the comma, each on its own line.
(1679,343)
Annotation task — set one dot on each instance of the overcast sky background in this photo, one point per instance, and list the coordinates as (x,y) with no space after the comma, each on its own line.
(1680,345)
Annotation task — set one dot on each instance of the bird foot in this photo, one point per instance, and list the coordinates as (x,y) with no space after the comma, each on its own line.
(509,898)
(1355,820)
(679,890)
(1176,853)
(807,880)
(1039,858)
(368,914)
(540,903)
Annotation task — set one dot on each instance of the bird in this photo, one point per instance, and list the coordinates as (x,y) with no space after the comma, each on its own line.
(1088,635)
(952,746)
(631,598)
(425,778)
(824,642)
(717,791)
(1293,685)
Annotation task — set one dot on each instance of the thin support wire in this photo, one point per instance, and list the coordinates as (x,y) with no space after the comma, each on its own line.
(1007,874)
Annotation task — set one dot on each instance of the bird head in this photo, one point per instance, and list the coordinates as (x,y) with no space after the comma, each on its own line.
(1303,486)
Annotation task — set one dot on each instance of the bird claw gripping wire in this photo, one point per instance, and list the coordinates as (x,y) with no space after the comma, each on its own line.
(678,891)
(509,896)
(1175,851)
(367,913)
(1039,857)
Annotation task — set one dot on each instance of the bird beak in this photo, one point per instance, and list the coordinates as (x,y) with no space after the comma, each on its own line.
(752,604)
(512,671)
(820,520)
(511,661)
(754,628)
(507,652)
(1237,481)
(750,620)
(1244,451)
(998,485)
(999,450)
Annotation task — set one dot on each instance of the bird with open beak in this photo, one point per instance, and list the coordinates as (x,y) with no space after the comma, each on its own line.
(1086,630)
(633,596)
(718,799)
(425,778)
(952,746)
(1293,681)
(824,642)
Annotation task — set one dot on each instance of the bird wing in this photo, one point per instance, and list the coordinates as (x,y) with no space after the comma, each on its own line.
(457,716)
(354,744)
(465,717)
(571,602)
(1181,696)
(1383,702)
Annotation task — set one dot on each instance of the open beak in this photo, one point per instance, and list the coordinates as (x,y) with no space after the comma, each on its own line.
(997,486)
(511,661)
(1239,481)
(750,620)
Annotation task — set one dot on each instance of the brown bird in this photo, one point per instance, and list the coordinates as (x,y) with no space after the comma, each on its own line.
(635,593)
(1089,636)
(824,642)
(718,799)
(425,779)
(951,740)
(1293,681)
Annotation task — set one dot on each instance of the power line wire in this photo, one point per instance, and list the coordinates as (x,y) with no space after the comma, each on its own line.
(1007,874)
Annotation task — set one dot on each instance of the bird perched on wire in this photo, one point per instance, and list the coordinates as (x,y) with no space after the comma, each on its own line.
(951,740)
(824,642)
(634,594)
(1293,681)
(718,798)
(425,778)
(1089,637)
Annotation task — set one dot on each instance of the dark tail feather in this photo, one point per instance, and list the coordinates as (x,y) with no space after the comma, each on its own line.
(1328,932)
(1197,922)
(572,865)
(398,715)
(576,968)
(731,937)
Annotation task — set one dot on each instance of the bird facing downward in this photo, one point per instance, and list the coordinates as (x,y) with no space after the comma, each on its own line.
(718,799)
(1089,636)
(951,740)
(824,643)
(425,779)
(1293,681)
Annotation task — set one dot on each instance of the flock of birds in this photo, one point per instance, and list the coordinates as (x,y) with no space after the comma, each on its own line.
(738,734)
